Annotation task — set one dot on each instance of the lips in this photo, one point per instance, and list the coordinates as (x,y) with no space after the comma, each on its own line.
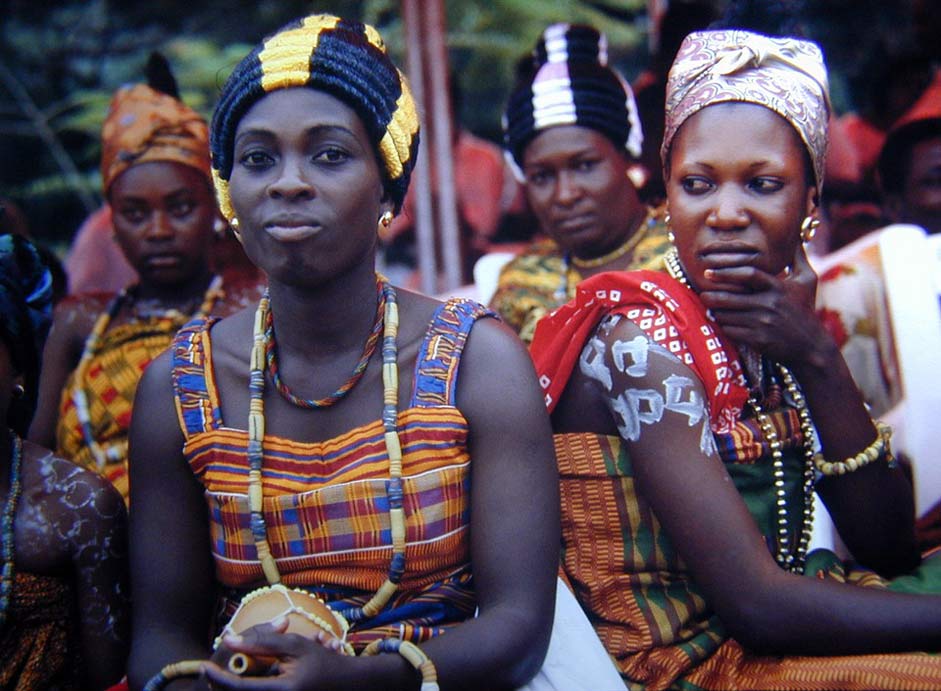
(729,254)
(292,228)
(572,224)
(163,261)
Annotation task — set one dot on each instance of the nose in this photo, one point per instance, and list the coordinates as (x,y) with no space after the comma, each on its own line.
(160,227)
(567,189)
(728,211)
(291,181)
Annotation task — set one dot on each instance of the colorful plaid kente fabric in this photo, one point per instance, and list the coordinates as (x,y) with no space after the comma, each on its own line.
(326,504)
(110,382)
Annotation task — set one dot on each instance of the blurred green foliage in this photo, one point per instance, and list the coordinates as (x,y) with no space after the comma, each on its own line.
(61,61)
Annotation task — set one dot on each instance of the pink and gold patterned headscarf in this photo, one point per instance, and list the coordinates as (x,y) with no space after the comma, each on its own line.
(786,75)
(146,125)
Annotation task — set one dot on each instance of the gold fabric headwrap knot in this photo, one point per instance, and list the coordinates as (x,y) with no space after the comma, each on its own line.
(145,125)
(786,75)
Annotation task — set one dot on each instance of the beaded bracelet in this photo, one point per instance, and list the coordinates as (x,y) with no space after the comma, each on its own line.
(878,447)
(412,654)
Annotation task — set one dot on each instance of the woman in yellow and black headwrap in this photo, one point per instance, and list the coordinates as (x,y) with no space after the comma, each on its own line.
(292,449)
(155,171)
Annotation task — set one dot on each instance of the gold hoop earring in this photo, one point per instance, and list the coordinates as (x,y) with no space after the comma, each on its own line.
(19,391)
(809,228)
(386,219)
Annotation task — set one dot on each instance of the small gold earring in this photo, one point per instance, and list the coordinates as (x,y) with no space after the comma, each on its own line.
(809,228)
(386,219)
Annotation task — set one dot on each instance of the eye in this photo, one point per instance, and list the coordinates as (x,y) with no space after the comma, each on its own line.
(133,214)
(586,165)
(694,184)
(931,181)
(766,185)
(256,159)
(538,177)
(332,154)
(180,208)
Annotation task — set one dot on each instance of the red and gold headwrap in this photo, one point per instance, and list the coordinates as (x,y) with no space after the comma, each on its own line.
(146,125)
(786,75)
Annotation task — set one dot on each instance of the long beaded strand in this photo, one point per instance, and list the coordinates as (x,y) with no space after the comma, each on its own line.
(92,343)
(790,561)
(256,433)
(390,400)
(9,514)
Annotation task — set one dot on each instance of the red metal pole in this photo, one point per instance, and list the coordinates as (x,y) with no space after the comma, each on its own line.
(424,212)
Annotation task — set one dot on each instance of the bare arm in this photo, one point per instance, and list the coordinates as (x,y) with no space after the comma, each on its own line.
(72,322)
(98,527)
(515,534)
(873,508)
(684,480)
(171,565)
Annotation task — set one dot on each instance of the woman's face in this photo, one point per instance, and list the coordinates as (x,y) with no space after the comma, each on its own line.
(163,215)
(922,192)
(737,190)
(305,186)
(577,186)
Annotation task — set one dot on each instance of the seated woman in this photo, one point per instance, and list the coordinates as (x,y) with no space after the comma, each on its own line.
(697,412)
(155,171)
(64,607)
(385,480)
(575,161)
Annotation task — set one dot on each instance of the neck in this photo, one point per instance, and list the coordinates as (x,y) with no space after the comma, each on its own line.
(335,316)
(618,256)
(176,294)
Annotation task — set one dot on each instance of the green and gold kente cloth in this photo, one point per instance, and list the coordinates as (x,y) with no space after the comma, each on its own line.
(110,382)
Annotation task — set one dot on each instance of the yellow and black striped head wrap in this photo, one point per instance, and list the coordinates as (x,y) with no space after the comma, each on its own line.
(346,59)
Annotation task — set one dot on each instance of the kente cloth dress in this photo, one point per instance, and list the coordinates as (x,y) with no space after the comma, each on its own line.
(110,382)
(326,504)
(648,612)
(540,279)
(39,643)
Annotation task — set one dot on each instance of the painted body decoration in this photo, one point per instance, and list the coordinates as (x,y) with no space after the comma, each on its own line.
(617,363)
(80,524)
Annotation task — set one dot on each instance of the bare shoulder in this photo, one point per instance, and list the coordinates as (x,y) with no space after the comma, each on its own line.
(415,313)
(67,516)
(75,316)
(62,485)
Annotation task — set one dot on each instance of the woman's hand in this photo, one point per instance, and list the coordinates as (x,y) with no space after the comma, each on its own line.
(288,661)
(772,314)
